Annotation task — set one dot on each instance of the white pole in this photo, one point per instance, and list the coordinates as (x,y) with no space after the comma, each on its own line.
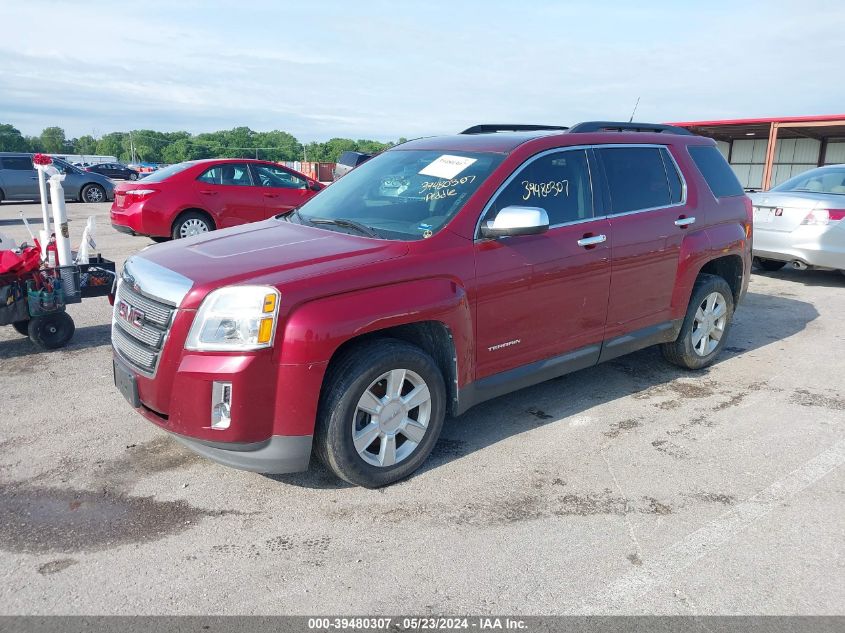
(44,233)
(57,200)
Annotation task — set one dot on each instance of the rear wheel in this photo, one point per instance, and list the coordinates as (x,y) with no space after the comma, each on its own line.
(706,324)
(93,194)
(770,265)
(381,412)
(52,330)
(192,223)
(133,176)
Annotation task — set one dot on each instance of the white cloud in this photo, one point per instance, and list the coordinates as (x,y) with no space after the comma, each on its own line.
(386,70)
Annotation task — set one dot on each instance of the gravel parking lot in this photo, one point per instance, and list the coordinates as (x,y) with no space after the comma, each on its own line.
(633,487)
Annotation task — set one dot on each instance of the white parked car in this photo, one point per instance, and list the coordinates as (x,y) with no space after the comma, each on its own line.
(802,221)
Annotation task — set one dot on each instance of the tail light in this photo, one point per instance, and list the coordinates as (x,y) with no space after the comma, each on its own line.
(137,195)
(823,217)
(749,217)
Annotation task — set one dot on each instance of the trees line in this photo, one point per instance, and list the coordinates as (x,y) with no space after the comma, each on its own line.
(174,147)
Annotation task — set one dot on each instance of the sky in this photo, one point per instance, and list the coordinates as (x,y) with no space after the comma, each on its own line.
(383,70)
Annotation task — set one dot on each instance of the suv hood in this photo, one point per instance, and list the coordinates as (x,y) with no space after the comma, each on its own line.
(273,248)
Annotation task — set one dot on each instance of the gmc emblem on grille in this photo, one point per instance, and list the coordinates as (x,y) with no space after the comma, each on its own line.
(130,314)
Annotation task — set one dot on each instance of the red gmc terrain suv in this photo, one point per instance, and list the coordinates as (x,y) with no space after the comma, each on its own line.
(441,273)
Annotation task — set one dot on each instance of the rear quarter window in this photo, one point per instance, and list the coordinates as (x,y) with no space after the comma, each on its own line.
(716,171)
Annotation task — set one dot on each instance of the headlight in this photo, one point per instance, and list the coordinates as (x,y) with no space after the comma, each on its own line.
(235,318)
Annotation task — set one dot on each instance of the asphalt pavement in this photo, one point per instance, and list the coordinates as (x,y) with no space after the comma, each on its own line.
(633,487)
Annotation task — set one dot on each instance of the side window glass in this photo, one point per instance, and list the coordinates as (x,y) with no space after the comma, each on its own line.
(636,178)
(676,188)
(269,176)
(231,174)
(18,163)
(558,183)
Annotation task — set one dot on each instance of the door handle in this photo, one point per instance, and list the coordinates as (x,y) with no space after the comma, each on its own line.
(271,195)
(208,192)
(588,241)
(682,222)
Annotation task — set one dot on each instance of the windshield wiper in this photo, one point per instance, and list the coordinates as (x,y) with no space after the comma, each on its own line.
(345,222)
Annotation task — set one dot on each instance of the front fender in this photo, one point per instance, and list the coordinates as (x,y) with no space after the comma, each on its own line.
(313,331)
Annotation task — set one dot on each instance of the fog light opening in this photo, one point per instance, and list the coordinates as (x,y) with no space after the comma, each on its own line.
(221,405)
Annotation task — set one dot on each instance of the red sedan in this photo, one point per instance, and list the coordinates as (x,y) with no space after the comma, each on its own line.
(203,195)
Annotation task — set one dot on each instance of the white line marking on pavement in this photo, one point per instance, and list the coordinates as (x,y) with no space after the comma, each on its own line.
(661,568)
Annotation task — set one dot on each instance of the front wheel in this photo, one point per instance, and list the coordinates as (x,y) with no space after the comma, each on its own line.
(21,327)
(51,331)
(706,324)
(381,412)
(93,194)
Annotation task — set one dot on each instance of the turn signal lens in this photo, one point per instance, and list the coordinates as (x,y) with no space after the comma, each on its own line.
(265,330)
(270,302)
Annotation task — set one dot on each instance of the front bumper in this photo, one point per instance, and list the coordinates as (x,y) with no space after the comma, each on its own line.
(276,455)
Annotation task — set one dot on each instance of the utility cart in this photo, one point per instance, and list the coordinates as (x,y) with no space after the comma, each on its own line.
(34,302)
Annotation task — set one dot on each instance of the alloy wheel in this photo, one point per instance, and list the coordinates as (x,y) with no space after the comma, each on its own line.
(391,418)
(709,324)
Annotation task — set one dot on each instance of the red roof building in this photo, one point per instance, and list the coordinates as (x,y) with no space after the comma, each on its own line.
(766,152)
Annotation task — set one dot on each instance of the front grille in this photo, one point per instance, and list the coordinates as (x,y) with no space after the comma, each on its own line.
(139,327)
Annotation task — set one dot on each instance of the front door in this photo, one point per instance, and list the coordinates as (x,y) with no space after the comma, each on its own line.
(281,189)
(541,296)
(646,199)
(227,192)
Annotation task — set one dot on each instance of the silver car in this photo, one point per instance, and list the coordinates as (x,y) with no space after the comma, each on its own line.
(802,221)
(19,180)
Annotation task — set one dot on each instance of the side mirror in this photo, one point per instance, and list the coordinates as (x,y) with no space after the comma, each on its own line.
(314,185)
(516,220)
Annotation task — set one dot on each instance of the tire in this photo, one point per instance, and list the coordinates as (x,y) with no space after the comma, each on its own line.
(191,223)
(1,195)
(21,327)
(770,265)
(93,194)
(52,330)
(365,369)
(159,239)
(685,351)
(133,176)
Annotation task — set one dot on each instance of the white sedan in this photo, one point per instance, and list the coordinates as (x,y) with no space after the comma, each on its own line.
(802,221)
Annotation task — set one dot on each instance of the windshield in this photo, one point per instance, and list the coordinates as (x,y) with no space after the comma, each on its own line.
(167,172)
(824,180)
(402,194)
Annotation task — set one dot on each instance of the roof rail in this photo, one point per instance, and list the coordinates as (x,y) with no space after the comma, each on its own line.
(487,128)
(625,126)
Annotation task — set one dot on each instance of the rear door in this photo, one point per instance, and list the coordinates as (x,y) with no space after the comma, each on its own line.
(227,192)
(281,189)
(539,296)
(647,197)
(20,180)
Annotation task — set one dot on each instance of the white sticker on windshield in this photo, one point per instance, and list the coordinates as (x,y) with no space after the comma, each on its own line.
(447,166)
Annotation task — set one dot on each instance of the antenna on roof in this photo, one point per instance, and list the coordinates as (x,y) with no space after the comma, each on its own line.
(635,110)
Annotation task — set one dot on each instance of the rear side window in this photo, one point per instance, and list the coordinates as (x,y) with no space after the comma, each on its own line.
(18,163)
(636,177)
(716,171)
(230,174)
(558,183)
